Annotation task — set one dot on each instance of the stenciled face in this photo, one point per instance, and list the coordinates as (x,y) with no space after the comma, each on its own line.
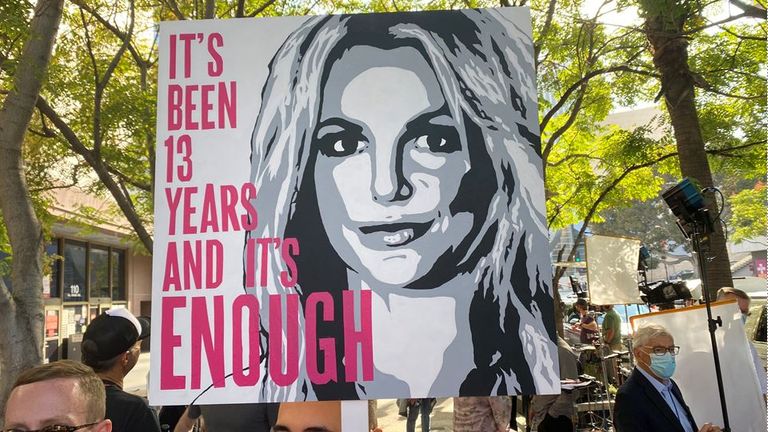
(46,403)
(389,164)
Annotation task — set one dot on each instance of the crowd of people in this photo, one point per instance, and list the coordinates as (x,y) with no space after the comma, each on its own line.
(90,396)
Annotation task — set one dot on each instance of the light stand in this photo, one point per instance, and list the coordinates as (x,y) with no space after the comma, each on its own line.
(687,203)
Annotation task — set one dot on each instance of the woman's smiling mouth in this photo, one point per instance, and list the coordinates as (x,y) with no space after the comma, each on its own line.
(395,234)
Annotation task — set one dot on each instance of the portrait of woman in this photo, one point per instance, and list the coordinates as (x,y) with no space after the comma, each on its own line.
(402,152)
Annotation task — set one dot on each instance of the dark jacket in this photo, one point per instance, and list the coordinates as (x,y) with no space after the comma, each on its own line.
(640,407)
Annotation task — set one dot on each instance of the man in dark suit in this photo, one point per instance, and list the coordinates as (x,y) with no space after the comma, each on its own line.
(649,400)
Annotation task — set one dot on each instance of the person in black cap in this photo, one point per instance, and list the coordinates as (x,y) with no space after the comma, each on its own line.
(111,346)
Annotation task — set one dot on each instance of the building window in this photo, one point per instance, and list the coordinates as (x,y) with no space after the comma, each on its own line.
(51,282)
(75,288)
(118,275)
(85,272)
(98,262)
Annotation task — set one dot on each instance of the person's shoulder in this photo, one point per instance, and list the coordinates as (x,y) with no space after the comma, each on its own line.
(632,384)
(125,398)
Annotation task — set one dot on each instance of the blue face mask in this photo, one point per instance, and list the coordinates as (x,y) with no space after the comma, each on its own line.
(663,365)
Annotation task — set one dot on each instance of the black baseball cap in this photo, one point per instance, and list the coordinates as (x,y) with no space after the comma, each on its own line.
(111,334)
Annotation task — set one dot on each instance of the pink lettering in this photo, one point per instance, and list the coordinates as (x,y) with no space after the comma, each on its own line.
(242,375)
(207,106)
(174,107)
(172,55)
(291,358)
(168,341)
(190,107)
(264,245)
(210,217)
(214,263)
(189,210)
(203,339)
(215,67)
(354,337)
(289,250)
(171,276)
(173,205)
(187,38)
(192,264)
(228,104)
(327,345)
(250,219)
(229,207)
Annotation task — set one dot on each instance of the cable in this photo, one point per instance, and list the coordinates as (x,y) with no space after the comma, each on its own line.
(722,199)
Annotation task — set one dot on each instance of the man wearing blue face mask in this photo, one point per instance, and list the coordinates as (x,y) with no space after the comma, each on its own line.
(649,400)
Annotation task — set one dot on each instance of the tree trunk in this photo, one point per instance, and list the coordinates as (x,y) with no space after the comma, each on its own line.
(670,56)
(21,306)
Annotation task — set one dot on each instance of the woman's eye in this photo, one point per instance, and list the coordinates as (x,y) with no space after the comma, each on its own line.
(336,146)
(438,142)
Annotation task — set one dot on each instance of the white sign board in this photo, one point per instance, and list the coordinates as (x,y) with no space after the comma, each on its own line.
(612,270)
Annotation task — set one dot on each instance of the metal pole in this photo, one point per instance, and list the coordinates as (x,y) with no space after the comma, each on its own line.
(712,323)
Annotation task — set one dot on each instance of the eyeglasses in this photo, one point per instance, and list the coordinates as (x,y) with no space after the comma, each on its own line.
(53,428)
(660,351)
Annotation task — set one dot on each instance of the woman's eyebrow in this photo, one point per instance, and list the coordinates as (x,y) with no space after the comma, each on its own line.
(438,117)
(338,124)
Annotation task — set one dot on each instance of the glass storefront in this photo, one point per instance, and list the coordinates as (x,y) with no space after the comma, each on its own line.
(86,279)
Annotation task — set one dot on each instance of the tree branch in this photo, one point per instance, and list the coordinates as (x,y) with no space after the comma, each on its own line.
(573,156)
(126,179)
(48,188)
(544,30)
(574,112)
(593,209)
(101,171)
(101,84)
(140,61)
(711,89)
(749,10)
(89,49)
(262,8)
(174,7)
(715,23)
(575,86)
(729,150)
(743,37)
(240,9)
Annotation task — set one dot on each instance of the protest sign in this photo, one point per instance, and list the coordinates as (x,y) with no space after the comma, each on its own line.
(350,207)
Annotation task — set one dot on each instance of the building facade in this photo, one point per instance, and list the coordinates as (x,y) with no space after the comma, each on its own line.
(94,266)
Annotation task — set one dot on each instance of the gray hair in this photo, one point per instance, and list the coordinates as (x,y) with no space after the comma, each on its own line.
(647,332)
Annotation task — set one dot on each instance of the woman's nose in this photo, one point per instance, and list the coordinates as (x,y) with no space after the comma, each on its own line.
(389,183)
